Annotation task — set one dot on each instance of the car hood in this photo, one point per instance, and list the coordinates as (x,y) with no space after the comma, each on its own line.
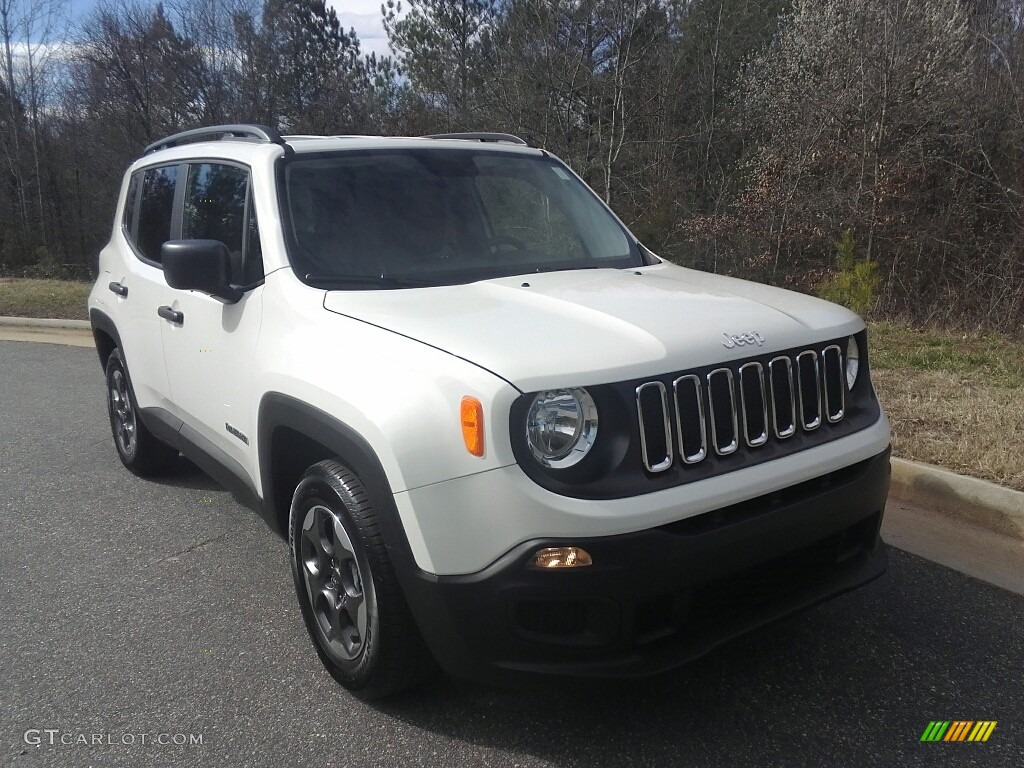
(585,327)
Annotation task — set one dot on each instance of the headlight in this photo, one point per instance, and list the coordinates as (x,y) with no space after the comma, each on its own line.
(852,362)
(561,426)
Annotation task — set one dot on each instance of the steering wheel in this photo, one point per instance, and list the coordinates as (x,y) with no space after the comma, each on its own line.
(495,244)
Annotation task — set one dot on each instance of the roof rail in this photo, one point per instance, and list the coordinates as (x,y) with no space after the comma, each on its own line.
(239,131)
(506,138)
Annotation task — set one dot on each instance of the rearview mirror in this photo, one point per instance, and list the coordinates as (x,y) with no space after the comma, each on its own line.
(199,265)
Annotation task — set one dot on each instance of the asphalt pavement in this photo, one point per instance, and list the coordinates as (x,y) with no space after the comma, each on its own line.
(137,615)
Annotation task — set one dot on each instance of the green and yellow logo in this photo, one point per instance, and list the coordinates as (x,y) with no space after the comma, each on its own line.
(958,730)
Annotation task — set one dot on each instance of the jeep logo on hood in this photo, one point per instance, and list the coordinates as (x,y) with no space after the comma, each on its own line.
(742,339)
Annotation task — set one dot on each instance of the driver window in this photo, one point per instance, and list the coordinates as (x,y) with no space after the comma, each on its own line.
(523,215)
(217,208)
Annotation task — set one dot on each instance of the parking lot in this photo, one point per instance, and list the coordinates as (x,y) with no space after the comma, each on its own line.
(160,610)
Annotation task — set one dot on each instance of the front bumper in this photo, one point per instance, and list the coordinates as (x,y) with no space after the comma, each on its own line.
(658,598)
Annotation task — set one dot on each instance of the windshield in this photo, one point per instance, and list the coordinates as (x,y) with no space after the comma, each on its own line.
(403,218)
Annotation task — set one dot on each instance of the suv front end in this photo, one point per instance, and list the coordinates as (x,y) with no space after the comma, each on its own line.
(687,456)
(652,548)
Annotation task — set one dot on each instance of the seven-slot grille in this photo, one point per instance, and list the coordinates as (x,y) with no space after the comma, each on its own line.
(739,405)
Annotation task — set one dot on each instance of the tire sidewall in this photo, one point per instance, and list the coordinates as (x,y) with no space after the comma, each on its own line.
(318,489)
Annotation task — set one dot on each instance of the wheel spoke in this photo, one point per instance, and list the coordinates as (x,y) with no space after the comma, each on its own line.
(346,631)
(353,601)
(122,390)
(355,612)
(325,606)
(316,577)
(313,547)
(342,546)
(337,618)
(315,563)
(324,524)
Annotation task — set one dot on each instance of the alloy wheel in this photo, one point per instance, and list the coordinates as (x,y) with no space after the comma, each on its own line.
(124,414)
(334,584)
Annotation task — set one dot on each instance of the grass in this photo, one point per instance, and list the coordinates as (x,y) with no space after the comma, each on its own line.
(993,358)
(43,298)
(954,399)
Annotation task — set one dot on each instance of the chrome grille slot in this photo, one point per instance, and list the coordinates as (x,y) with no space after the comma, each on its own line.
(780,377)
(754,405)
(722,402)
(740,408)
(691,424)
(835,386)
(655,426)
(809,389)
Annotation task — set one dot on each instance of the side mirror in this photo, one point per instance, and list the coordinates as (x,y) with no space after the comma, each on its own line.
(199,265)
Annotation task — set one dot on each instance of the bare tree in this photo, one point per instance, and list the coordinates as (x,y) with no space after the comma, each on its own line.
(33,33)
(865,110)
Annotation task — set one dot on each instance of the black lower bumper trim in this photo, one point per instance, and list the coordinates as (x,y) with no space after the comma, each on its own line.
(658,598)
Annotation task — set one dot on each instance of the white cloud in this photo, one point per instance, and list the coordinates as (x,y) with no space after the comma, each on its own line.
(41,52)
(364,16)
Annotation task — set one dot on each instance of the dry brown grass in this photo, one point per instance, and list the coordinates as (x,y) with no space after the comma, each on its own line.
(954,400)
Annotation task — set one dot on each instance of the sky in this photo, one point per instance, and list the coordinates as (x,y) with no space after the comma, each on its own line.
(362,15)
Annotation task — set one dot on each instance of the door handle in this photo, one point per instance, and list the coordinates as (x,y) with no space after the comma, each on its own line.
(169,314)
(120,290)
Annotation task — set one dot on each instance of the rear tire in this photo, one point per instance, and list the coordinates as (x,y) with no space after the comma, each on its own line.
(351,602)
(136,446)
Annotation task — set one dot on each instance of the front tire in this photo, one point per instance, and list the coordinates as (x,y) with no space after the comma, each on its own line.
(352,605)
(136,446)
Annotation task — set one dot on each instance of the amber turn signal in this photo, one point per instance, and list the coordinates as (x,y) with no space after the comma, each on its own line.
(472,416)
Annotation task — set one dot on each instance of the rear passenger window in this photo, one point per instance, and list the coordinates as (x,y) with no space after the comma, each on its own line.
(216,204)
(155,210)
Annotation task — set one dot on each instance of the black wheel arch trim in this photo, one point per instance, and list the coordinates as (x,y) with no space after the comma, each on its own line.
(350,448)
(101,323)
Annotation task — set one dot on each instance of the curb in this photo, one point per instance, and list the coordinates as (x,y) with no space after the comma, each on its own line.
(981,503)
(42,322)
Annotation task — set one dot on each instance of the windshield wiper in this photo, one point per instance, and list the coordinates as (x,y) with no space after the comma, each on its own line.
(375,281)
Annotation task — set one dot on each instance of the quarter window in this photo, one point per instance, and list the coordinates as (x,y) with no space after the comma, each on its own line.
(253,248)
(131,205)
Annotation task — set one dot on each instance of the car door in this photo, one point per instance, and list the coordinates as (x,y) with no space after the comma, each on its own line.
(138,284)
(209,344)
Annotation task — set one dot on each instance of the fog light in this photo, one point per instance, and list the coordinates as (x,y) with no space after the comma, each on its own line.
(562,557)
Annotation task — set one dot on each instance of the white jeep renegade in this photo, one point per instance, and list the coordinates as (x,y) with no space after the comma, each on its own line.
(496,430)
